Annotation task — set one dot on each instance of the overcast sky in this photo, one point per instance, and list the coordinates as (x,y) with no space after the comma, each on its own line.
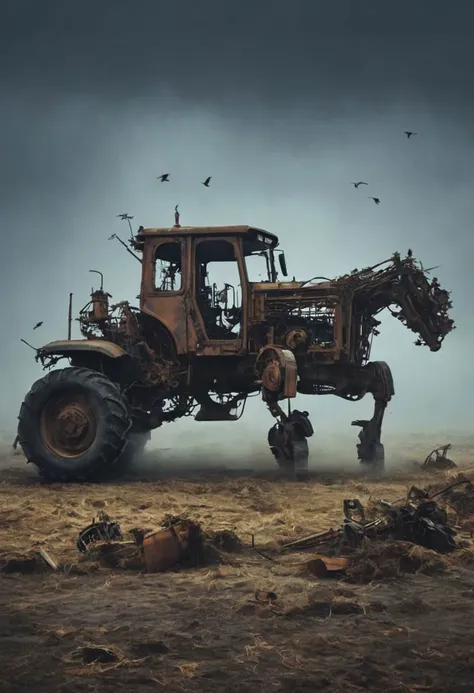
(283,103)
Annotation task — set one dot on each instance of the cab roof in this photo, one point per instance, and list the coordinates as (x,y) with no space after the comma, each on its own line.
(250,233)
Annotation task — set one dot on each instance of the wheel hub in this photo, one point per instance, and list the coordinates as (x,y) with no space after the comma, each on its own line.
(72,423)
(271,377)
(68,426)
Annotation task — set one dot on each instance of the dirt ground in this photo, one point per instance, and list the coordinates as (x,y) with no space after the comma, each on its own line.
(203,629)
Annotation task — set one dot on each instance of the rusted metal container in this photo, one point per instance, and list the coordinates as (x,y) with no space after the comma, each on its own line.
(164,549)
(324,566)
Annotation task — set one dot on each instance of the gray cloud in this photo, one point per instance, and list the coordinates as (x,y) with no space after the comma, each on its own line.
(271,51)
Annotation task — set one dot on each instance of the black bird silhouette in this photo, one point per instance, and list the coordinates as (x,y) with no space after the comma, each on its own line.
(164,178)
(126,217)
(409,134)
(375,199)
(410,252)
(207,181)
(360,182)
(38,324)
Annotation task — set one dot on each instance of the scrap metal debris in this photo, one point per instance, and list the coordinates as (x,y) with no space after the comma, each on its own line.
(48,560)
(323,566)
(111,555)
(420,520)
(177,542)
(438,460)
(102,530)
(458,499)
(167,547)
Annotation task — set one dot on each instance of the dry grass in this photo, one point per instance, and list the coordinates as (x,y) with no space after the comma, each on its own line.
(52,516)
(205,629)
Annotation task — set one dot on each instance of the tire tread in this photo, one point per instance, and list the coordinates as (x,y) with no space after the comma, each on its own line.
(117,426)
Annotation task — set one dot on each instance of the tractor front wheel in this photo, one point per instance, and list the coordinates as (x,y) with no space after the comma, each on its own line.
(73,425)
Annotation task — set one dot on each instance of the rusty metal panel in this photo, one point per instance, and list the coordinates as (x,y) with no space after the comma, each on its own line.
(258,306)
(208,231)
(277,370)
(291,376)
(168,307)
(323,566)
(164,549)
(100,346)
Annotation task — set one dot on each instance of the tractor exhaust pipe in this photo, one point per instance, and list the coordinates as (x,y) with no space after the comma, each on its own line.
(69,319)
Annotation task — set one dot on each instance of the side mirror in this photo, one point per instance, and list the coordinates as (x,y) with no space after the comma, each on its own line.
(282,261)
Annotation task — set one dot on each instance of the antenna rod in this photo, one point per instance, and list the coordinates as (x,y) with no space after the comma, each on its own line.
(27,344)
(114,235)
(69,318)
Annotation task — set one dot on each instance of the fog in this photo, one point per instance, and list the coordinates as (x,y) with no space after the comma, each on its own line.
(81,144)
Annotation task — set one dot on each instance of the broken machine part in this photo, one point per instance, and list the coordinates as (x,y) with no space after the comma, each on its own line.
(171,545)
(438,460)
(420,520)
(101,531)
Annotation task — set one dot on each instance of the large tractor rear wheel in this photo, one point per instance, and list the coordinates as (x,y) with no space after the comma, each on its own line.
(73,425)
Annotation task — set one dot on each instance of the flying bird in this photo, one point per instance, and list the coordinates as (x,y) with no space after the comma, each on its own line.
(38,324)
(164,178)
(360,182)
(375,199)
(126,217)
(409,134)
(207,181)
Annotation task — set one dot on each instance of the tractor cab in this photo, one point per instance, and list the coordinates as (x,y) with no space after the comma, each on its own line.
(195,281)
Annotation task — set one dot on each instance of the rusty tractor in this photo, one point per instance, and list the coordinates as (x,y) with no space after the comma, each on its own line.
(193,347)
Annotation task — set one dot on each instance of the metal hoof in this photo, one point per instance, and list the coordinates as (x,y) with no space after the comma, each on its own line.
(300,458)
(283,462)
(290,447)
(376,462)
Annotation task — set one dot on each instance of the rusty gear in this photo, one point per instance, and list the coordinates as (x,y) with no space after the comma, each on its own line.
(296,338)
(271,377)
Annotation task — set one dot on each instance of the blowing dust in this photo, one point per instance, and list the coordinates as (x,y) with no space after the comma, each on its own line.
(237,448)
(242,447)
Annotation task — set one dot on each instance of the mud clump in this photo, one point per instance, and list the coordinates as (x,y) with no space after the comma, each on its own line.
(323,603)
(28,564)
(150,648)
(226,541)
(98,655)
(389,559)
